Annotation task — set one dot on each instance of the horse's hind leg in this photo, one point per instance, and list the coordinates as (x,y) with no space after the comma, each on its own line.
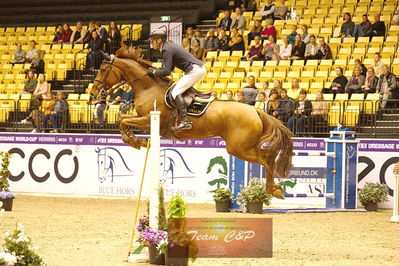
(128,136)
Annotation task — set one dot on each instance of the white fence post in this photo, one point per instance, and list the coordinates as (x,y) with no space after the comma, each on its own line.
(395,215)
(155,168)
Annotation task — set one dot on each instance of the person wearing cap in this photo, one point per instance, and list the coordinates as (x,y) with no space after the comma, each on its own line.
(173,56)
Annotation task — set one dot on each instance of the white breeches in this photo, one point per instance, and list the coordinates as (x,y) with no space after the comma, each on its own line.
(189,80)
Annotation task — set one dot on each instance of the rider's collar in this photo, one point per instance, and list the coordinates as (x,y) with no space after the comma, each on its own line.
(161,46)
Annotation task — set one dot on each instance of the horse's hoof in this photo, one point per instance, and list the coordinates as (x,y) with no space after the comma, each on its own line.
(276,191)
(144,143)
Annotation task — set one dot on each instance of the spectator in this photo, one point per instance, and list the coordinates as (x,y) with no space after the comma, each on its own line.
(355,83)
(305,35)
(303,108)
(362,66)
(225,23)
(66,34)
(370,83)
(57,113)
(229,96)
(78,34)
(363,29)
(30,83)
(19,55)
(236,42)
(348,27)
(277,86)
(294,91)
(285,49)
(211,42)
(233,4)
(338,84)
(239,21)
(285,107)
(198,36)
(214,94)
(102,32)
(114,97)
(58,33)
(189,33)
(265,88)
(271,49)
(269,30)
(377,65)
(298,50)
(293,34)
(324,51)
(396,18)
(89,35)
(272,103)
(280,12)
(311,49)
(261,102)
(37,64)
(250,92)
(127,99)
(255,31)
(224,41)
(94,51)
(255,51)
(30,55)
(387,87)
(185,43)
(197,51)
(114,38)
(319,112)
(378,27)
(240,97)
(35,116)
(268,10)
(41,89)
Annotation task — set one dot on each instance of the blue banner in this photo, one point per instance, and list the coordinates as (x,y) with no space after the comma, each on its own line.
(237,177)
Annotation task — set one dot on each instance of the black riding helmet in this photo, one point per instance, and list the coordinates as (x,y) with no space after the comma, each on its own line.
(158,34)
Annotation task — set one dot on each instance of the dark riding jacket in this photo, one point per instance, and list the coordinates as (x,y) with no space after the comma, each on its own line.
(173,56)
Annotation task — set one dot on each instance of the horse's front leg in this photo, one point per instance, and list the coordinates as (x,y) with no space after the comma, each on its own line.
(128,136)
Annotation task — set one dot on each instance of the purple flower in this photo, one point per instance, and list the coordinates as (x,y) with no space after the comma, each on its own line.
(144,222)
(6,195)
(152,236)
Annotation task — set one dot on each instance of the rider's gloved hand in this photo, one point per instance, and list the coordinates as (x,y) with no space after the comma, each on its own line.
(150,71)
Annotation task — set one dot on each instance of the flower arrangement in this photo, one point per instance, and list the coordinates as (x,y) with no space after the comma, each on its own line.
(4,172)
(152,236)
(143,223)
(6,195)
(222,194)
(254,192)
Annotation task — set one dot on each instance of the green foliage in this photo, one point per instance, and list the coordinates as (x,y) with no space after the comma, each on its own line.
(177,207)
(218,160)
(373,192)
(161,210)
(222,194)
(4,172)
(254,192)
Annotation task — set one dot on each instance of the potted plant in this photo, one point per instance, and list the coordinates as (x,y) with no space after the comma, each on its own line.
(372,194)
(222,198)
(254,196)
(5,195)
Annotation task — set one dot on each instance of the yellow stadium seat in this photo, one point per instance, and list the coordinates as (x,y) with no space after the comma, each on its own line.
(205,86)
(224,76)
(298,65)
(325,64)
(245,65)
(238,76)
(334,116)
(219,86)
(265,76)
(351,115)
(233,86)
(230,66)
(316,86)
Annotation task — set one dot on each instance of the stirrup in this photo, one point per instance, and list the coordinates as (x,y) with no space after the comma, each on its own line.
(183,126)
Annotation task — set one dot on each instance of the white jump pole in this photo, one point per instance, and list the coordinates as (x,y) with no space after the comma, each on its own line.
(155,167)
(395,215)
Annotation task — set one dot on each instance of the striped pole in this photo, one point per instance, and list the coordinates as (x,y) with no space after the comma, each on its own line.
(308,195)
(328,154)
(395,215)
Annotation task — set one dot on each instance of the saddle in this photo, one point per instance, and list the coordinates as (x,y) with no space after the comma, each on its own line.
(197,101)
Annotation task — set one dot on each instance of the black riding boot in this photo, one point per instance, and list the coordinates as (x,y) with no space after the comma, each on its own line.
(182,110)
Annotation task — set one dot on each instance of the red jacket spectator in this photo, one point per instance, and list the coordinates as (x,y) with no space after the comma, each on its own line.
(268,30)
(66,34)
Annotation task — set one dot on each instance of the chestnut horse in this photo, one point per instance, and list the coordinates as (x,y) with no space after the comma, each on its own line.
(250,134)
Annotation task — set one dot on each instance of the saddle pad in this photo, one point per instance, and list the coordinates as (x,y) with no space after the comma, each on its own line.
(194,109)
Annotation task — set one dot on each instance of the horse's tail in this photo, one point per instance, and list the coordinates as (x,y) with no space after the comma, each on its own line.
(275,146)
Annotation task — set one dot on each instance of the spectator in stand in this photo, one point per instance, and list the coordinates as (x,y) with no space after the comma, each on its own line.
(280,12)
(239,21)
(30,55)
(189,33)
(269,30)
(377,65)
(338,84)
(225,23)
(272,103)
(285,107)
(362,66)
(285,49)
(303,108)
(271,49)
(387,87)
(58,33)
(277,86)
(293,34)
(324,51)
(255,31)
(89,35)
(197,51)
(294,91)
(229,96)
(41,89)
(224,40)
(94,51)
(36,115)
(298,50)
(237,41)
(198,36)
(37,64)
(114,97)
(185,43)
(363,29)
(19,55)
(370,83)
(127,99)
(114,38)
(30,82)
(265,88)
(57,113)
(214,94)
(250,92)
(240,97)
(233,4)
(305,35)
(211,42)
(311,49)
(355,83)
(261,103)
(102,32)
(78,34)
(255,51)
(319,112)
(378,27)
(396,18)
(348,27)
(66,34)
(268,10)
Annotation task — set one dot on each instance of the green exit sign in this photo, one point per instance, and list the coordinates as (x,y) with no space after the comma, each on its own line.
(165,18)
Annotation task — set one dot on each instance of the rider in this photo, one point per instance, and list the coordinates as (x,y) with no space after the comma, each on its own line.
(174,55)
